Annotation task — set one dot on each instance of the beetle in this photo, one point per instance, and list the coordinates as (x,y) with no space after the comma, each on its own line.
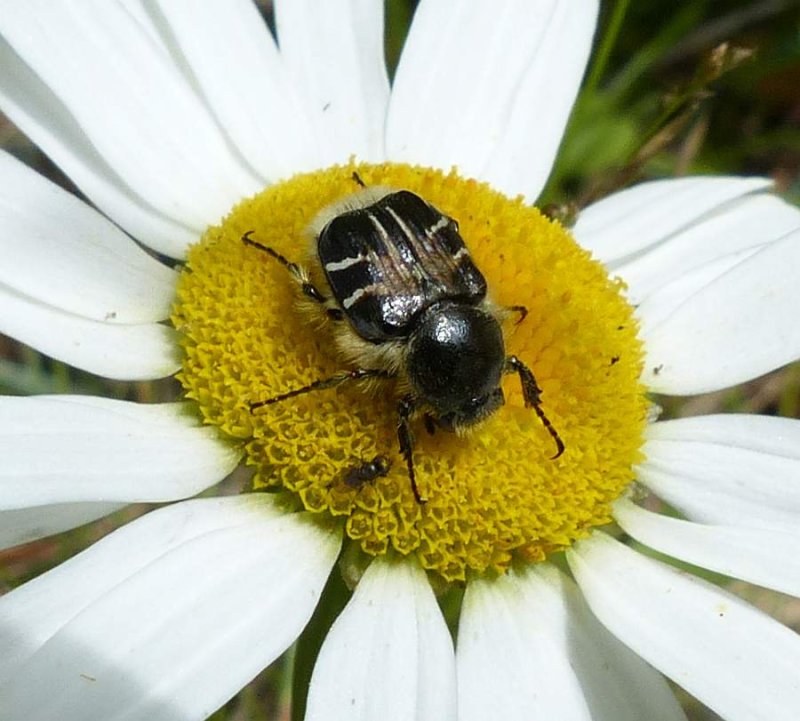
(408,304)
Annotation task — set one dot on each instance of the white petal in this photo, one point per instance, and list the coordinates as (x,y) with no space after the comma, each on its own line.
(246,86)
(761,556)
(526,640)
(528,145)
(61,252)
(742,224)
(738,327)
(731,656)
(52,464)
(31,105)
(56,449)
(512,663)
(124,352)
(737,470)
(32,613)
(663,302)
(488,87)
(631,221)
(237,584)
(389,654)
(23,525)
(333,53)
(617,684)
(82,52)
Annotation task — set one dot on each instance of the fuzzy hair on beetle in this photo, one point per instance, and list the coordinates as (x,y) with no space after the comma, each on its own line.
(408,306)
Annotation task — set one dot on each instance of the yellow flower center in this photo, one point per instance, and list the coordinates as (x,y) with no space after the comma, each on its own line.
(493,495)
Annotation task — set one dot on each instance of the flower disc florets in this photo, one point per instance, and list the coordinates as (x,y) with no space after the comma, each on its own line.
(493,495)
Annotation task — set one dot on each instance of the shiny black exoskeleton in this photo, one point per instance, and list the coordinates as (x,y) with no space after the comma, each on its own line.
(455,361)
(409,304)
(388,261)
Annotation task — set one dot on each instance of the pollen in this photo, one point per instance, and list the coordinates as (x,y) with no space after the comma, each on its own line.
(494,496)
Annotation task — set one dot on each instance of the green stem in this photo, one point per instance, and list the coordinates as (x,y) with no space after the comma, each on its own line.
(609,39)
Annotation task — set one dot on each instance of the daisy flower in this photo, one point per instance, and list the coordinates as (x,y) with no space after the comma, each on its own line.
(188,127)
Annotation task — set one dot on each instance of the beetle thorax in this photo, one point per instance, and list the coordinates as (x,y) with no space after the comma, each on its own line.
(455,361)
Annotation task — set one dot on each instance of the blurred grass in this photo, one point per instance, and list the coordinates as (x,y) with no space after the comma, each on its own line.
(648,56)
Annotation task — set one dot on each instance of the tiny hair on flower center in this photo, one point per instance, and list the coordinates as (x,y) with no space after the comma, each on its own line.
(440,368)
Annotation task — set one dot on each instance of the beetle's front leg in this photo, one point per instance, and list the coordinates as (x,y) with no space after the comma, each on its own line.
(405,409)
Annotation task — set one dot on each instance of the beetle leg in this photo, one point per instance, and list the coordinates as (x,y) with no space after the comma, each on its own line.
(405,408)
(297,271)
(319,385)
(532,394)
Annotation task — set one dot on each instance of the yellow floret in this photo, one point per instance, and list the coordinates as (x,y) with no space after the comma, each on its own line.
(494,496)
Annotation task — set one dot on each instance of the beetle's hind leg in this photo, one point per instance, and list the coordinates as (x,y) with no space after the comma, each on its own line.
(532,395)
(299,273)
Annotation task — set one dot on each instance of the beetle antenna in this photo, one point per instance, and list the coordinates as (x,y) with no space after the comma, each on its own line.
(532,395)
(297,271)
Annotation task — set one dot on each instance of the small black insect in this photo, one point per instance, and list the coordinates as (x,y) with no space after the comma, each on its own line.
(409,305)
(367,472)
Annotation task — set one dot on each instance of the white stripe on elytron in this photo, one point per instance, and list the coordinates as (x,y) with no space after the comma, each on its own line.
(344,263)
(357,295)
